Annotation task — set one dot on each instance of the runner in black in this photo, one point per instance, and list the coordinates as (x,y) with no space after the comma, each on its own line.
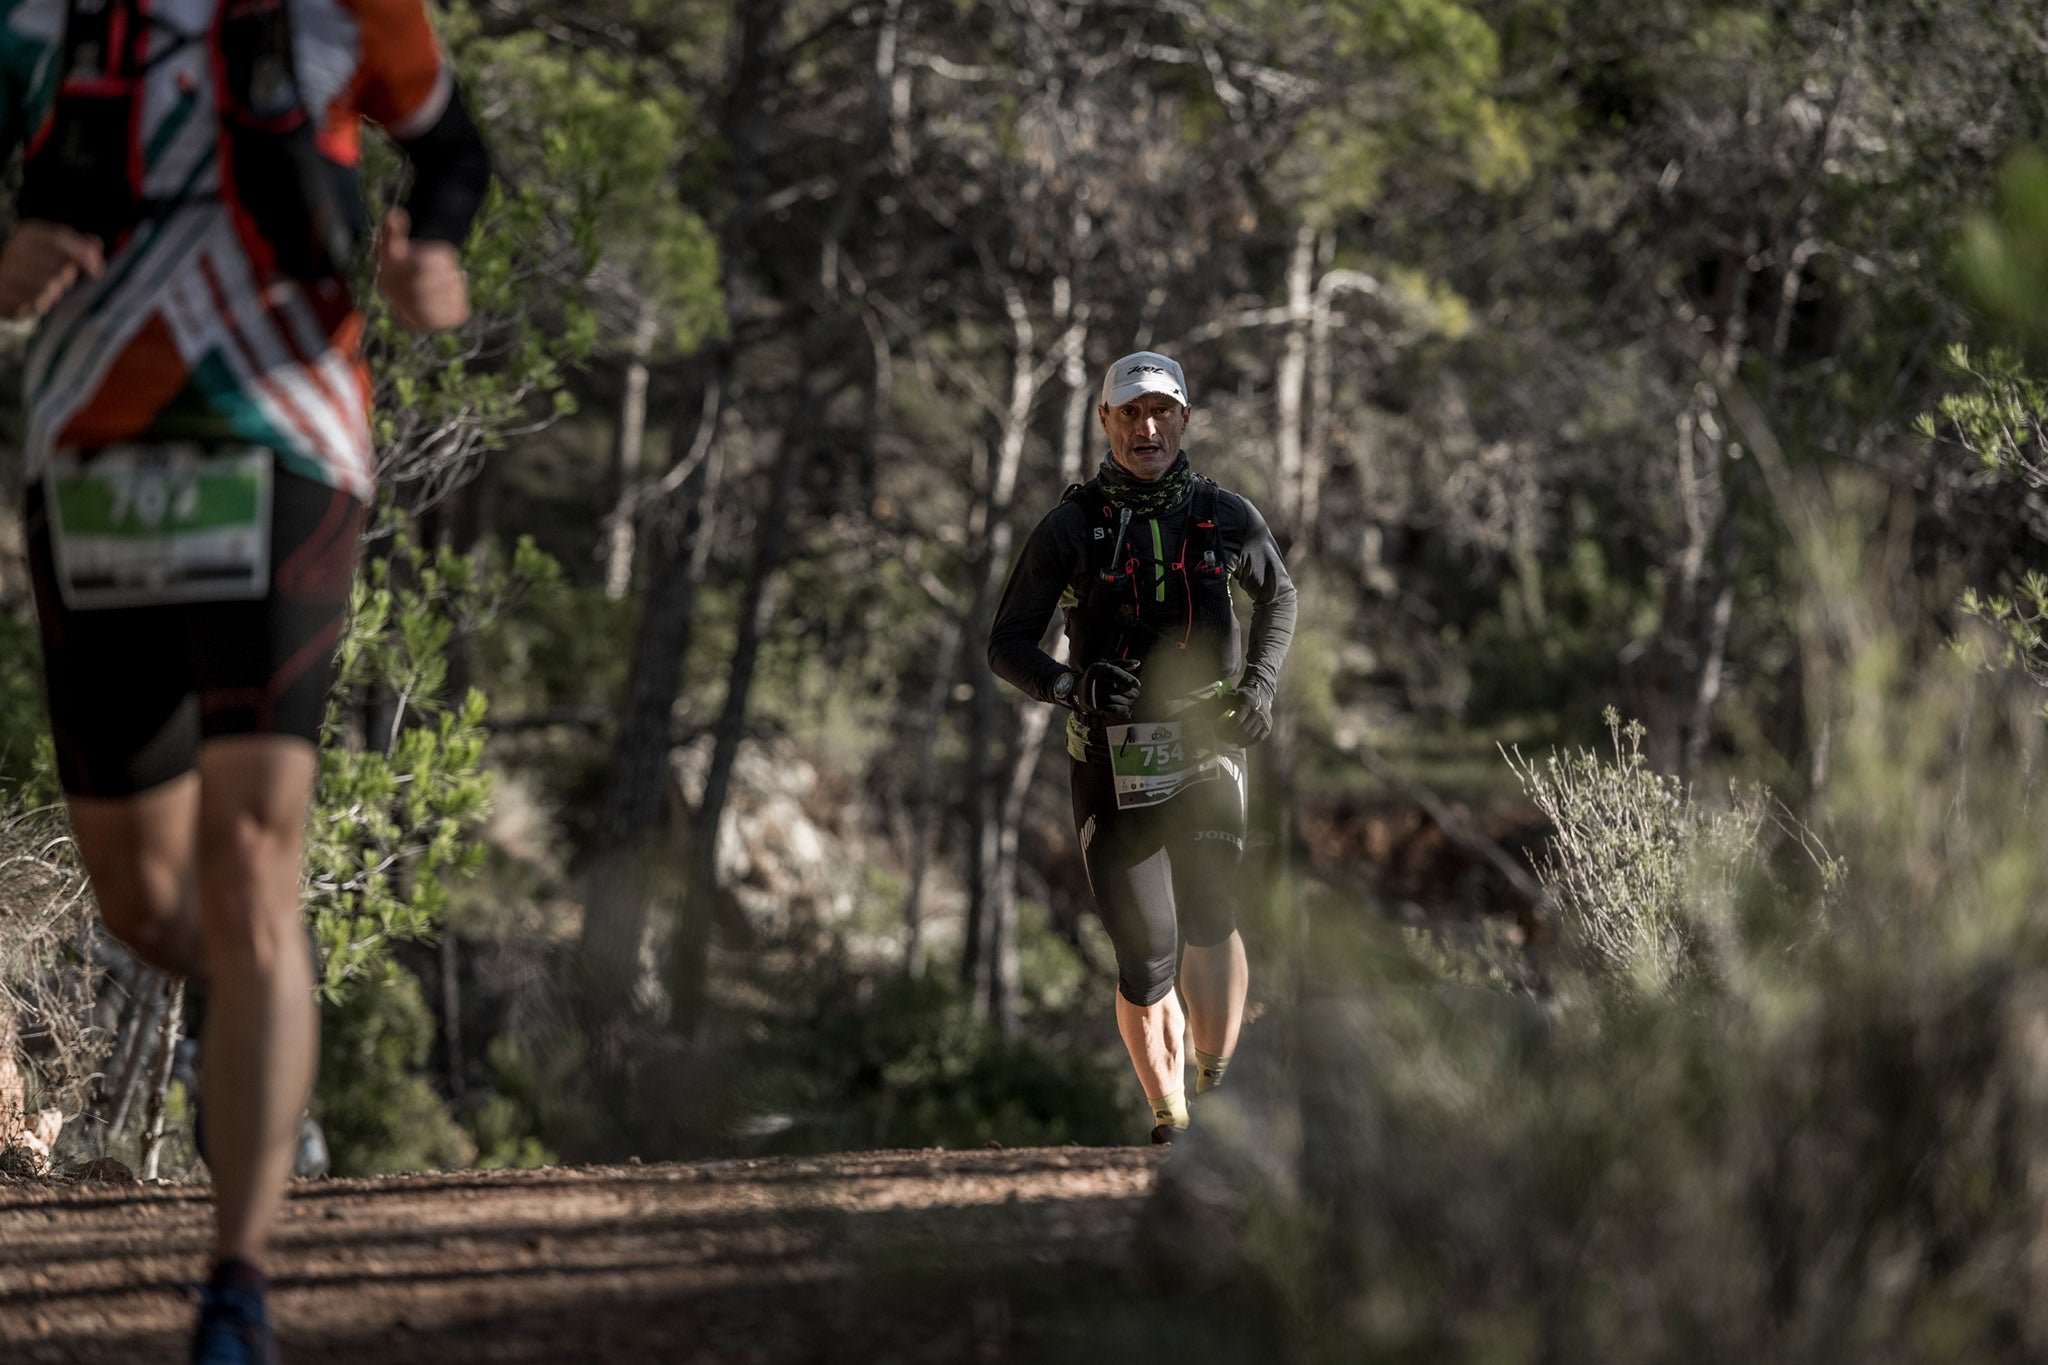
(1165,698)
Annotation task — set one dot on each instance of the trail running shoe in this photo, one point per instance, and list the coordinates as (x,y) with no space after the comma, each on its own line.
(234,1327)
(1162,1136)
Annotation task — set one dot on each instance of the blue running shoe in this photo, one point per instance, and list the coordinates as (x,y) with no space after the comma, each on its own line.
(234,1321)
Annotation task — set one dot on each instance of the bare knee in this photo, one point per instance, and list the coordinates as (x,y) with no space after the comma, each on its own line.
(249,891)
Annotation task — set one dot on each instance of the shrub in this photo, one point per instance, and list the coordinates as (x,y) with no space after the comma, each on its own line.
(1809,1124)
(402,795)
(49,969)
(1642,877)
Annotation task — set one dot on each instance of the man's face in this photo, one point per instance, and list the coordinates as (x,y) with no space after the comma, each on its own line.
(1144,434)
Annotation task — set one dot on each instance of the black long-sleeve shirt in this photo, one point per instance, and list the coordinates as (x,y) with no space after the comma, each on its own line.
(1160,603)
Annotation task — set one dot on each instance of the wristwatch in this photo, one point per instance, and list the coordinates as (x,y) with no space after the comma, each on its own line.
(1063,687)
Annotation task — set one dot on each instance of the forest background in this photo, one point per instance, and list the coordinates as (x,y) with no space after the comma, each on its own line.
(1649,399)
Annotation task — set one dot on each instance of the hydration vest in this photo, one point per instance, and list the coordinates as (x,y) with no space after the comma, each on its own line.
(1110,619)
(298,213)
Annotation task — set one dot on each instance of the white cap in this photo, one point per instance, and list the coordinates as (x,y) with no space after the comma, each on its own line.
(1143,372)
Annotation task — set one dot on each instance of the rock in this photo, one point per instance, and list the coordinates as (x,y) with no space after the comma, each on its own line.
(23,1161)
(310,1160)
(42,1130)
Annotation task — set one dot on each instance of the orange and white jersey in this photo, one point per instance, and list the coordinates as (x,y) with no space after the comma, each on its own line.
(179,338)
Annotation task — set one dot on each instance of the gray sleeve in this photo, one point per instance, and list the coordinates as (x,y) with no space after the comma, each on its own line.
(1028,602)
(1263,574)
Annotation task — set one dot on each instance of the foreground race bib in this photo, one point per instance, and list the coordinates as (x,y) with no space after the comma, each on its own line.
(1155,761)
(134,526)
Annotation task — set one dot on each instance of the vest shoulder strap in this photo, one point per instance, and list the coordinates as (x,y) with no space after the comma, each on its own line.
(1202,535)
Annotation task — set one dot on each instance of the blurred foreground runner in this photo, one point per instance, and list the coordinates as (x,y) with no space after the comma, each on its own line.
(1141,558)
(199,468)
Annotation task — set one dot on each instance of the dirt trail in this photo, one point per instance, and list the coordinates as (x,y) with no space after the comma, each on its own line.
(876,1256)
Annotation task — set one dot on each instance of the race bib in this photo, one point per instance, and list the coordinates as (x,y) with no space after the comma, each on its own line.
(1155,761)
(152,525)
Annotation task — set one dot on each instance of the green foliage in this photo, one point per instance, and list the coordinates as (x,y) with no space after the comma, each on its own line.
(395,815)
(1558,629)
(2017,622)
(541,1100)
(905,1062)
(522,1104)
(2000,415)
(378,1112)
(28,763)
(594,142)
(585,149)
(402,793)
(564,648)
(1418,91)
(2004,252)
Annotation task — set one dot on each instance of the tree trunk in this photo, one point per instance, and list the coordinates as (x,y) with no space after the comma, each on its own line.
(1074,375)
(689,963)
(637,783)
(1292,379)
(1315,451)
(759,66)
(637,778)
(988,957)
(619,527)
(451,1010)
(130,1074)
(136,983)
(1002,973)
(160,1083)
(933,709)
(984,815)
(1686,657)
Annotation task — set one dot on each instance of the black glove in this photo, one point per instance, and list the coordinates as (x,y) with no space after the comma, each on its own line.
(1249,719)
(1108,689)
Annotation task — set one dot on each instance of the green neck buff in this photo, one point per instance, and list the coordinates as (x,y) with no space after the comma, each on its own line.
(1142,499)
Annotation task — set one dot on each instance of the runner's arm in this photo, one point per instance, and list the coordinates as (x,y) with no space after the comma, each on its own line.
(451,174)
(409,90)
(1263,574)
(1027,604)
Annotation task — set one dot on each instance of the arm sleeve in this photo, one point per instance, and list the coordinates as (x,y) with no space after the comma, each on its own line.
(1264,576)
(451,174)
(1027,605)
(408,90)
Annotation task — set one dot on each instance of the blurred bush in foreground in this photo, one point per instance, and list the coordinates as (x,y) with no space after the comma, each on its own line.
(1798,1113)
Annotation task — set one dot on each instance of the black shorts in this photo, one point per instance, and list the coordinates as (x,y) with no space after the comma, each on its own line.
(134,690)
(1162,875)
